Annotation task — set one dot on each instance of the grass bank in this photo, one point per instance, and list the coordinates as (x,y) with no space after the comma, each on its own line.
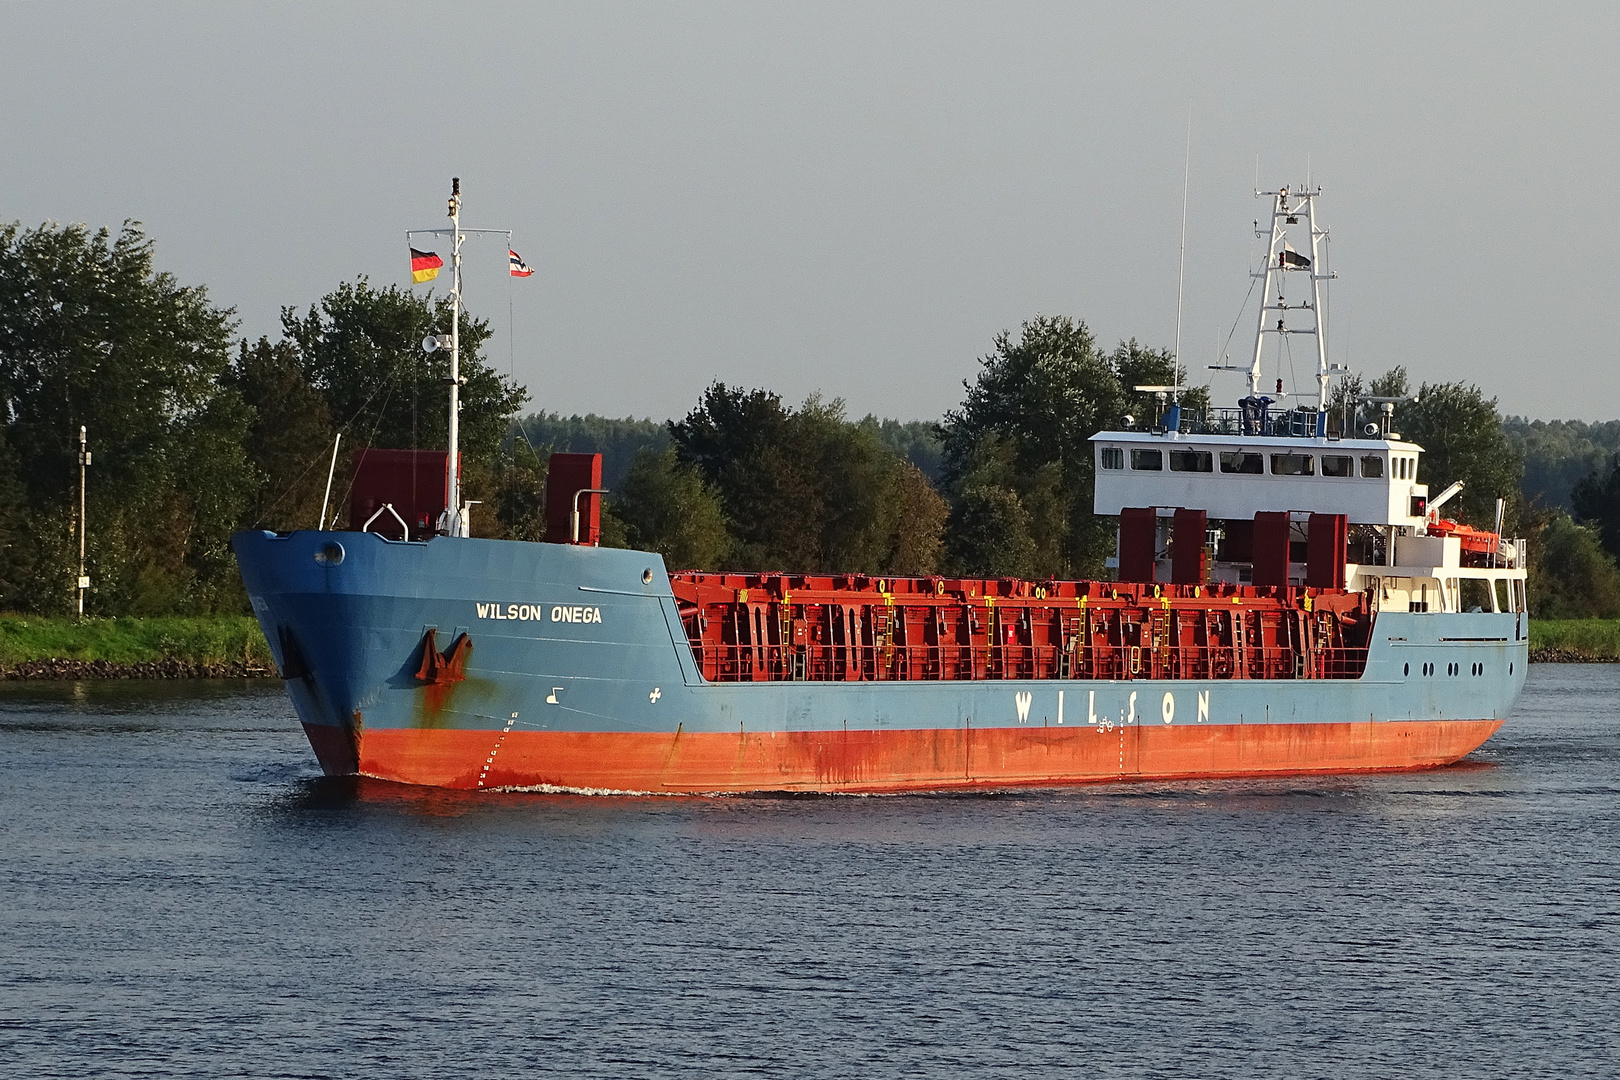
(170,646)
(1575,640)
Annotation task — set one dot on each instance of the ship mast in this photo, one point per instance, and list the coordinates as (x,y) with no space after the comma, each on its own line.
(1281,259)
(454,522)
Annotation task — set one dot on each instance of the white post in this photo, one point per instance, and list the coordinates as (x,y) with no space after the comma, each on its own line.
(84,462)
(455,518)
(330,469)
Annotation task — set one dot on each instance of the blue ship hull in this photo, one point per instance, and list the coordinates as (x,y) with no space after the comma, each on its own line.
(580,676)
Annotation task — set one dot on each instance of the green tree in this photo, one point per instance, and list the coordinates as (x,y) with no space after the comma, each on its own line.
(1597,503)
(617,440)
(1571,575)
(667,507)
(518,497)
(1031,413)
(290,438)
(1558,454)
(857,484)
(806,490)
(747,447)
(1461,434)
(990,534)
(17,552)
(91,334)
(919,529)
(1025,425)
(361,347)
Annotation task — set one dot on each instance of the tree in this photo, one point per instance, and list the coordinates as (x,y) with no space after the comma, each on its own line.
(747,447)
(616,440)
(1038,400)
(919,533)
(1571,575)
(17,553)
(1026,424)
(1461,434)
(1597,503)
(1558,454)
(990,534)
(808,490)
(289,440)
(91,334)
(517,497)
(361,347)
(857,484)
(667,507)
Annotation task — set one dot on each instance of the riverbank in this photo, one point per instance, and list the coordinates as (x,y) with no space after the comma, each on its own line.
(1575,641)
(161,647)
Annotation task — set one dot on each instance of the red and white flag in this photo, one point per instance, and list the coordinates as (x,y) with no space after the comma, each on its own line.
(519,267)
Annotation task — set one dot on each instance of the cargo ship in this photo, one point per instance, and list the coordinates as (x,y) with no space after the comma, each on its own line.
(1286,599)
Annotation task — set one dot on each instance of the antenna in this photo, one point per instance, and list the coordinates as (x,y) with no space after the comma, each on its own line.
(1181,264)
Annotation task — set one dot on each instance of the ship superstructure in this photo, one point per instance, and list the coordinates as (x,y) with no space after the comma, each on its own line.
(1285,600)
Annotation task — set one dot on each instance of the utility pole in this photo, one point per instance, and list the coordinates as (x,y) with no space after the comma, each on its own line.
(84,464)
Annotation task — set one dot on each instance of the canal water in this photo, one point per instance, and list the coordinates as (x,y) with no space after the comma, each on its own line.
(181,894)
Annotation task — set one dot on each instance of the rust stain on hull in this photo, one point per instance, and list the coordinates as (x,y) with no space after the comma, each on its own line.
(440,674)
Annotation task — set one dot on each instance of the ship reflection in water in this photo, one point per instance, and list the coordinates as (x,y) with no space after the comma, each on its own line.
(182,893)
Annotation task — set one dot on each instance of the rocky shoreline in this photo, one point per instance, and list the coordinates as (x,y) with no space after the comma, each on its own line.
(70,670)
(1569,656)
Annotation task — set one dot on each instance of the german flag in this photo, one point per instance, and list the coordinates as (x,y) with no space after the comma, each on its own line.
(424,265)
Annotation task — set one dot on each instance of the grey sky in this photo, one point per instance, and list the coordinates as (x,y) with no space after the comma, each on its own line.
(855,198)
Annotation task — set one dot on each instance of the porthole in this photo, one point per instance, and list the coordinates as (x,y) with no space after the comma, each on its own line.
(1406,669)
(1510,668)
(646,576)
(329,553)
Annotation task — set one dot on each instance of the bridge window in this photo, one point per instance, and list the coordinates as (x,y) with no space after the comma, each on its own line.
(1191,461)
(1113,457)
(1372,467)
(1236,461)
(1338,465)
(1293,465)
(1147,460)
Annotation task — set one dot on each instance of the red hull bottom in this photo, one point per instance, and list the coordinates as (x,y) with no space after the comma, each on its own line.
(891,761)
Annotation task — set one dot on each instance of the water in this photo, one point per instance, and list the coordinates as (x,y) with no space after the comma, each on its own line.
(181,894)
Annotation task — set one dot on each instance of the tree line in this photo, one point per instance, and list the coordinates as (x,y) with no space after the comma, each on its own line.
(197,432)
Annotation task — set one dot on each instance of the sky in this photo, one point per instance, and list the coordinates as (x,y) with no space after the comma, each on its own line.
(855,199)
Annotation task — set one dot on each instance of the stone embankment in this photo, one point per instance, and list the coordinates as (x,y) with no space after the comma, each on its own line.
(69,670)
(1569,656)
